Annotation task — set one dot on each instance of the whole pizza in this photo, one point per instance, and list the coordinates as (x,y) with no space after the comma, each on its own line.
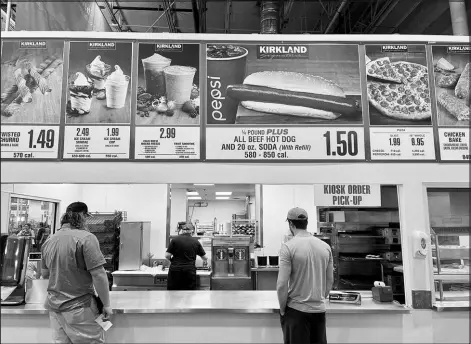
(399,90)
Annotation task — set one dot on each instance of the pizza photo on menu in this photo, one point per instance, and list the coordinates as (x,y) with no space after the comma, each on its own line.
(398,85)
(451,71)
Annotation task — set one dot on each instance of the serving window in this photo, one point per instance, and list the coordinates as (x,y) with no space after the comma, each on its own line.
(33,217)
(450,232)
(366,244)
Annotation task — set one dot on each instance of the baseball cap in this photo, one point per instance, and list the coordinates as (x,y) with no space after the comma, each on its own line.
(78,207)
(188,226)
(297,214)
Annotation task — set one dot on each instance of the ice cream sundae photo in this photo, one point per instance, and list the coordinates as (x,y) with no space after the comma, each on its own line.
(98,71)
(108,66)
(81,93)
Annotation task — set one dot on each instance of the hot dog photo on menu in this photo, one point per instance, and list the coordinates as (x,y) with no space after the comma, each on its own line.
(168,89)
(99,83)
(283,84)
(452,83)
(31,81)
(398,85)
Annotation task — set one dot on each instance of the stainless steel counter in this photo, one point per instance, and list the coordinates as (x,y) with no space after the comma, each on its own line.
(267,269)
(211,302)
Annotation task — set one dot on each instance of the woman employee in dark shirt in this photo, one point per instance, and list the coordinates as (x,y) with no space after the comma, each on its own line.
(181,253)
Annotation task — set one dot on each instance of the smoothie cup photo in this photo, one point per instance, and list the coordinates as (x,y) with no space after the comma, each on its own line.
(179,83)
(154,74)
(116,89)
(226,66)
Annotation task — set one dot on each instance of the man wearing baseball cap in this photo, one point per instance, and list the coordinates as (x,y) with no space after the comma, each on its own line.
(73,262)
(305,279)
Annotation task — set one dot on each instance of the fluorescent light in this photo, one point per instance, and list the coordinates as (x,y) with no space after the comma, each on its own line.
(204,184)
(192,193)
(194,197)
(222,197)
(224,193)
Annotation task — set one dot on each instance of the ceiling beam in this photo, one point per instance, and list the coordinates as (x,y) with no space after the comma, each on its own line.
(387,11)
(287,6)
(227,17)
(148,9)
(440,25)
(196,15)
(428,12)
(333,21)
(202,10)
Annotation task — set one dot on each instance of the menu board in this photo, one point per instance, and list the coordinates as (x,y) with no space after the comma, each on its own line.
(400,110)
(283,102)
(31,93)
(98,111)
(140,100)
(168,102)
(451,80)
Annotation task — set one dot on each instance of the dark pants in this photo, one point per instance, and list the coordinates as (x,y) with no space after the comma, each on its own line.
(303,328)
(181,279)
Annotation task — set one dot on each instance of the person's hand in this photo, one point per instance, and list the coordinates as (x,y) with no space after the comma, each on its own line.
(107,313)
(282,312)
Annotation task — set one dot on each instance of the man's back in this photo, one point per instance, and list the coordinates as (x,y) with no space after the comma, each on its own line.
(68,255)
(309,258)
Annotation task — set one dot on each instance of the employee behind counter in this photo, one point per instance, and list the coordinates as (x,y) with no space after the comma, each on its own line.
(181,253)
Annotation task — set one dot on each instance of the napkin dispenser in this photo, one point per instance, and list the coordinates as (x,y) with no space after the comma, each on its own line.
(382,292)
(345,297)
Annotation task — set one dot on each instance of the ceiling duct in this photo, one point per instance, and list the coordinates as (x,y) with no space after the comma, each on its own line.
(269,17)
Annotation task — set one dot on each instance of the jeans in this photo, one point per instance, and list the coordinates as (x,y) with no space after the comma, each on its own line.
(303,328)
(77,326)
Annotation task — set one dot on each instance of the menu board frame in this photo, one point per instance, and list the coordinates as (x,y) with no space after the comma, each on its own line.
(202,40)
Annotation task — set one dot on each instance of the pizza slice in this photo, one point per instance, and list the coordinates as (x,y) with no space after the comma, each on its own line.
(381,69)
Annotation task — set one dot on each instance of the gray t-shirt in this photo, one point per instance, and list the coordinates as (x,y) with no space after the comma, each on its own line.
(69,255)
(309,258)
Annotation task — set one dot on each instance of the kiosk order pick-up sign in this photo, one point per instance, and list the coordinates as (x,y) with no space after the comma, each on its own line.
(348,195)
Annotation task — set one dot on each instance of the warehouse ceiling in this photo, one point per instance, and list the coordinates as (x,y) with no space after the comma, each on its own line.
(296,16)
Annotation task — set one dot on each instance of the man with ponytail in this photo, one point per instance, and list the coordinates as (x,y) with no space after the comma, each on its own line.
(73,262)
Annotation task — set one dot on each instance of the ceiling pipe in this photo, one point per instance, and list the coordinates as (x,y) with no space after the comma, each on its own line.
(196,15)
(407,13)
(227,18)
(7,22)
(269,17)
(373,26)
(459,21)
(332,22)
